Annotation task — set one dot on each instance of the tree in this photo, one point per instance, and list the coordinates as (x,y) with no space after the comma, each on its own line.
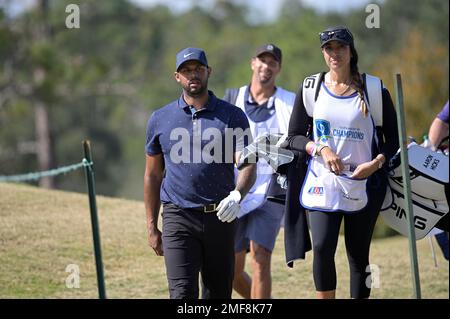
(423,64)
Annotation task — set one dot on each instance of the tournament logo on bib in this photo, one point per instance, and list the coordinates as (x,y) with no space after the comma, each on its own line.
(322,129)
(316,190)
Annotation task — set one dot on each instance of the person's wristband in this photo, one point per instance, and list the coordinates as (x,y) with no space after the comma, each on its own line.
(314,150)
(319,149)
(311,148)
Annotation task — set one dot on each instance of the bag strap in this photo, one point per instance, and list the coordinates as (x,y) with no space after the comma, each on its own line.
(373,88)
(310,91)
(232,93)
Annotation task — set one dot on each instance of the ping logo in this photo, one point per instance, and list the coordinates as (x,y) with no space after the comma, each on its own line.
(316,191)
(322,128)
(419,221)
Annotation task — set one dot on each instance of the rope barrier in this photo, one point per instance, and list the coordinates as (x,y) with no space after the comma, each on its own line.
(52,172)
(89,168)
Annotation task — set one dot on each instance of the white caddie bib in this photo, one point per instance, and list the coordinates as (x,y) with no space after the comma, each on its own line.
(278,123)
(328,192)
(339,124)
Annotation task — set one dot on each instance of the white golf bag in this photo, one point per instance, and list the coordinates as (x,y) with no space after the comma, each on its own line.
(429,175)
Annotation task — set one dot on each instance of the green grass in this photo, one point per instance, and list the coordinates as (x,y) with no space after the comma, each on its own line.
(41,232)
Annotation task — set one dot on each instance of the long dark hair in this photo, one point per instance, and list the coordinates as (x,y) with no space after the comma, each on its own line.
(358,84)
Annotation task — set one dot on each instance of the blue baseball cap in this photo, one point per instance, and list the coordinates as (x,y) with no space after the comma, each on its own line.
(190,54)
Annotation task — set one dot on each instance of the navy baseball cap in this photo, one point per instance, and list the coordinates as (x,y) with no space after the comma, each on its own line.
(341,34)
(271,49)
(190,54)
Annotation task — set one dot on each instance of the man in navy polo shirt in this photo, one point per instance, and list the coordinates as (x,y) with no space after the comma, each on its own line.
(191,148)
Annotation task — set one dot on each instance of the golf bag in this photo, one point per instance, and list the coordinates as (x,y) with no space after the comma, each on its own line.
(429,175)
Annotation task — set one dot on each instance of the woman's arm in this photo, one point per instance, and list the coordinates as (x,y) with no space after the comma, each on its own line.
(388,140)
(300,124)
(390,144)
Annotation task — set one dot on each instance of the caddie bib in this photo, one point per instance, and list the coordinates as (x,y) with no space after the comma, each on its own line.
(257,194)
(339,124)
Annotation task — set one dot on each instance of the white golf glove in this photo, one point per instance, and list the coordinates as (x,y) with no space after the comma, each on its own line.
(229,207)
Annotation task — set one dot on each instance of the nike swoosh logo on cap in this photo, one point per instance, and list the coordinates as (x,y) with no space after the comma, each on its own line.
(186,55)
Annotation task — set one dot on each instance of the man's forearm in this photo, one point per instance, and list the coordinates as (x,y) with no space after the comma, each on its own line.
(438,130)
(152,200)
(245,179)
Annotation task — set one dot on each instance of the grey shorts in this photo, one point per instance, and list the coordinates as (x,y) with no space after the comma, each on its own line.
(260,225)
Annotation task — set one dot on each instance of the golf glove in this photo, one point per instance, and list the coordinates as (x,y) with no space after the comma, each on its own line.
(229,207)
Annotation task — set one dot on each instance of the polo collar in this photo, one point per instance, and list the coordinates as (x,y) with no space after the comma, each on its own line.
(249,99)
(210,105)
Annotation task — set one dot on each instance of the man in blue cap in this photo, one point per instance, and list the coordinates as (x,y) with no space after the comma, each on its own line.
(192,146)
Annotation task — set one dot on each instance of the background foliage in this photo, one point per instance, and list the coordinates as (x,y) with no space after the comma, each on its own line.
(102,81)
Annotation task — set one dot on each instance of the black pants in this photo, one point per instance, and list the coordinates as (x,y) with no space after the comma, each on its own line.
(196,242)
(358,229)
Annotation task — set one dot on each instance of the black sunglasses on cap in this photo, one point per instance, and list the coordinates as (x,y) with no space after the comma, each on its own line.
(341,35)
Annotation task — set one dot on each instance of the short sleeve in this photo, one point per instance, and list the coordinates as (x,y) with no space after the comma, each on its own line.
(443,115)
(152,145)
(243,135)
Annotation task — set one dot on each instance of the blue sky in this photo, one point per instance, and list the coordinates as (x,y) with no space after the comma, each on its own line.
(268,9)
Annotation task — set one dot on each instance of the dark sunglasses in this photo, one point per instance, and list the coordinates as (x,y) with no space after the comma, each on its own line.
(340,34)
